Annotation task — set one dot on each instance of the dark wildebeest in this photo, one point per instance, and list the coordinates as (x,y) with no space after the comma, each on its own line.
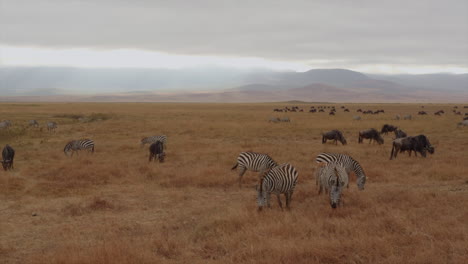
(371,134)
(334,135)
(422,113)
(8,155)
(388,128)
(331,113)
(417,144)
(400,133)
(157,151)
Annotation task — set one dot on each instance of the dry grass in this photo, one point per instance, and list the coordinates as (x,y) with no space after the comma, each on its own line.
(115,207)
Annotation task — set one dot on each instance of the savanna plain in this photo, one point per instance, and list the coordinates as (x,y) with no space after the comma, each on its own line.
(114,206)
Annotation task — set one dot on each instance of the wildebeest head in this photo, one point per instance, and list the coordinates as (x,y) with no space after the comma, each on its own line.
(342,139)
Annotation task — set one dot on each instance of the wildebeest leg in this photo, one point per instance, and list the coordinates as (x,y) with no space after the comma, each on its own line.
(241,173)
(279,201)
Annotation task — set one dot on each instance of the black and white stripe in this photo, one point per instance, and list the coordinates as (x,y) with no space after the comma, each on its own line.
(76,145)
(51,126)
(332,178)
(253,161)
(33,123)
(278,180)
(349,164)
(153,139)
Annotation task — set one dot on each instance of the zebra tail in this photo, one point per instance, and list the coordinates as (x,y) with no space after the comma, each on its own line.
(235,166)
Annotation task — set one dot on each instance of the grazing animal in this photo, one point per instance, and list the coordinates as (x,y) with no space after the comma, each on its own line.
(274,119)
(321,110)
(33,123)
(397,117)
(400,133)
(334,135)
(152,139)
(346,110)
(331,113)
(422,113)
(463,123)
(371,134)
(8,156)
(418,143)
(281,179)
(253,161)
(51,126)
(156,150)
(407,117)
(5,124)
(285,119)
(76,145)
(356,117)
(350,164)
(332,178)
(388,128)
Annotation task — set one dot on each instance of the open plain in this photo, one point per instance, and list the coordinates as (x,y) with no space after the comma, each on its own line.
(114,206)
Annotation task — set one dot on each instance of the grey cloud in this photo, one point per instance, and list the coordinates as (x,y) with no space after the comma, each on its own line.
(386,32)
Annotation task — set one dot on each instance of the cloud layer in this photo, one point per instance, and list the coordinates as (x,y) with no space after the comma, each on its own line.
(319,33)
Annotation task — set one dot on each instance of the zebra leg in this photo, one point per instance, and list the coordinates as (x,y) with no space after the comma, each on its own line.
(241,173)
(279,201)
(288,199)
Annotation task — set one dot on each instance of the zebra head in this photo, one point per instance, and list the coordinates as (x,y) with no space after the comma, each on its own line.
(337,185)
(161,157)
(361,181)
(261,195)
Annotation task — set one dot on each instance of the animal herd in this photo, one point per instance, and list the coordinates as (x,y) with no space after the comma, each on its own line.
(331,176)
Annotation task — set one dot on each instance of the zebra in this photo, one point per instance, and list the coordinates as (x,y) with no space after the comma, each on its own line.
(5,124)
(407,117)
(285,119)
(332,178)
(51,126)
(153,139)
(348,163)
(33,123)
(76,145)
(278,180)
(253,161)
(274,119)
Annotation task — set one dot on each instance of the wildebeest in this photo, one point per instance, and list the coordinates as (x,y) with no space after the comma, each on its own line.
(157,151)
(331,113)
(418,143)
(400,133)
(388,128)
(334,135)
(346,110)
(8,155)
(371,134)
(321,110)
(422,113)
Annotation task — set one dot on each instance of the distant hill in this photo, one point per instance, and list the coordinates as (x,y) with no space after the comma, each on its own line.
(226,85)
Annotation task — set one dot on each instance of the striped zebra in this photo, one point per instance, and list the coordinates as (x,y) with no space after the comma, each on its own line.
(76,145)
(278,180)
(51,126)
(33,123)
(153,139)
(332,178)
(252,161)
(5,124)
(349,163)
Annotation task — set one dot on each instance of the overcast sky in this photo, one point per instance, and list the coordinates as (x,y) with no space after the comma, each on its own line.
(371,36)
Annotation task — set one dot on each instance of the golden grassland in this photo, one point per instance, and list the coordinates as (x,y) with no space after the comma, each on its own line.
(114,206)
